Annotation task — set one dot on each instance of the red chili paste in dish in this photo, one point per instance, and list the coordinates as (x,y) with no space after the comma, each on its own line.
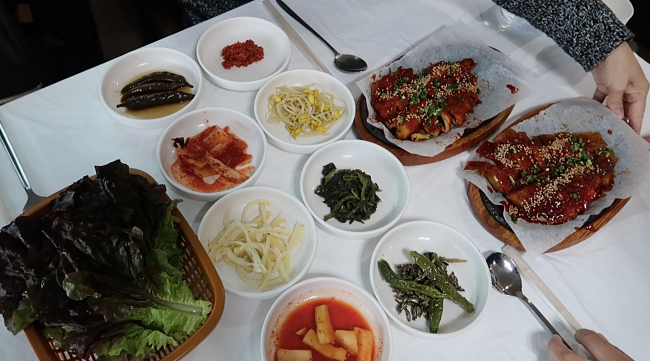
(241,54)
(208,161)
(342,315)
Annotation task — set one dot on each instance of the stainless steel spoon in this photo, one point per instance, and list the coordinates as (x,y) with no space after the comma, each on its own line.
(345,62)
(506,279)
(32,198)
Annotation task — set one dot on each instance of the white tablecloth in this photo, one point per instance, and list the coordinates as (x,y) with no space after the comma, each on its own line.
(62,131)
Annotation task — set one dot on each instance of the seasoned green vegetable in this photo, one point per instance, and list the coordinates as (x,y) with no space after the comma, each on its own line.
(156,76)
(435,314)
(441,281)
(396,281)
(418,287)
(156,87)
(349,193)
(149,100)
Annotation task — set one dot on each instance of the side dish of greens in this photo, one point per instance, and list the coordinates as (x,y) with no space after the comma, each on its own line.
(101,272)
(420,288)
(350,194)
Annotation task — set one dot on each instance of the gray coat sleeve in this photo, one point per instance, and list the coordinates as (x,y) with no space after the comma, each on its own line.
(587,30)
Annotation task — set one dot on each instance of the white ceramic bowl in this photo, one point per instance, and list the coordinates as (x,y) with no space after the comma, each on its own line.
(276,45)
(277,133)
(142,61)
(197,121)
(384,169)
(292,210)
(326,287)
(427,236)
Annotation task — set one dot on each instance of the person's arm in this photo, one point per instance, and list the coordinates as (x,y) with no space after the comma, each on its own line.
(591,34)
(587,30)
(595,343)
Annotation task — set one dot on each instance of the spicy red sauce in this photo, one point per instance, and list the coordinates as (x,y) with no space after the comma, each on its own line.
(241,54)
(512,88)
(342,315)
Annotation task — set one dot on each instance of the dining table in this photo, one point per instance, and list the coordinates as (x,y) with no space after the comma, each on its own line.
(62,131)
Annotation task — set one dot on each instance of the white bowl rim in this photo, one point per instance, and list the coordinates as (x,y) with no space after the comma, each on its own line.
(357,234)
(351,109)
(276,304)
(229,190)
(276,291)
(399,322)
(251,82)
(116,61)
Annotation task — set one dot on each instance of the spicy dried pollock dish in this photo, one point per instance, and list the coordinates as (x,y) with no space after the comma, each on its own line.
(548,179)
(422,106)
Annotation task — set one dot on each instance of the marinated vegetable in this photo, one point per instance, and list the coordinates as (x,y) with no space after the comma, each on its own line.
(161,93)
(151,100)
(421,287)
(149,88)
(156,76)
(350,194)
(398,282)
(433,273)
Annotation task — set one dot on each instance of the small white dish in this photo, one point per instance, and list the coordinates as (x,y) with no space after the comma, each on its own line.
(384,169)
(276,45)
(197,121)
(326,287)
(427,236)
(292,210)
(277,133)
(140,62)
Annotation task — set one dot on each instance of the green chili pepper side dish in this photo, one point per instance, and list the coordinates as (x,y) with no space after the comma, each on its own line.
(150,100)
(396,281)
(435,314)
(443,284)
(350,194)
(420,287)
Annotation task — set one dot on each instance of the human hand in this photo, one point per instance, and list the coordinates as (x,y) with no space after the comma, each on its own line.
(620,78)
(595,343)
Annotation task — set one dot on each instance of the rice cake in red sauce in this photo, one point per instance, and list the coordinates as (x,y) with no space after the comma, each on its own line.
(342,315)
(549,179)
(422,106)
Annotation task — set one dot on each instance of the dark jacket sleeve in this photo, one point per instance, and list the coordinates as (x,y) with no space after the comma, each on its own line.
(587,30)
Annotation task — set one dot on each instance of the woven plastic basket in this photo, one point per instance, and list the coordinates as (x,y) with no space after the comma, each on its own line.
(199,272)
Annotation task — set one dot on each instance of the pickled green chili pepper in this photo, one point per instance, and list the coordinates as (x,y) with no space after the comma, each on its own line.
(150,100)
(435,314)
(396,281)
(156,87)
(156,76)
(432,273)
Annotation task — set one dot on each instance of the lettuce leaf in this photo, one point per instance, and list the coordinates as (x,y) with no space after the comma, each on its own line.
(102,272)
(134,340)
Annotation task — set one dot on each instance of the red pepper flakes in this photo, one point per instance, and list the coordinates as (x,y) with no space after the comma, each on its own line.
(241,54)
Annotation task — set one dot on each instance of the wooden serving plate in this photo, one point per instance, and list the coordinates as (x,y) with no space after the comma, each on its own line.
(487,216)
(467,141)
